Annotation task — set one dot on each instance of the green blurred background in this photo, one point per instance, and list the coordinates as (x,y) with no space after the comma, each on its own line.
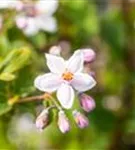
(108,27)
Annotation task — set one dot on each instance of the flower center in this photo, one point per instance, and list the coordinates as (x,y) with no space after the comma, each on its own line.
(30,10)
(67,76)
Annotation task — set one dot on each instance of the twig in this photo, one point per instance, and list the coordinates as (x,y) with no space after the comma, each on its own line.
(56,104)
(32,98)
(40,97)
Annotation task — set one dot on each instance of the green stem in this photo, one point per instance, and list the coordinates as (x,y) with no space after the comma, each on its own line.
(56,104)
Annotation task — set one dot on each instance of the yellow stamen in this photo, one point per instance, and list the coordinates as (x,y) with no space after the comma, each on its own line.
(67,76)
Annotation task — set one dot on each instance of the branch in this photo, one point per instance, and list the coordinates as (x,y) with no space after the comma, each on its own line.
(32,98)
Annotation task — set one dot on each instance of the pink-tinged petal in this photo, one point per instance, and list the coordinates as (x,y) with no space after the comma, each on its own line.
(75,63)
(46,23)
(31,28)
(21,22)
(56,64)
(47,6)
(83,82)
(65,95)
(48,82)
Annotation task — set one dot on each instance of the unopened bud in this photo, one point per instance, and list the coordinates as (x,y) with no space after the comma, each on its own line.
(63,122)
(81,120)
(89,55)
(87,102)
(42,120)
(55,50)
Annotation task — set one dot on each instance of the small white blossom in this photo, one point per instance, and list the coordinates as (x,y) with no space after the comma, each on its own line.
(64,77)
(37,16)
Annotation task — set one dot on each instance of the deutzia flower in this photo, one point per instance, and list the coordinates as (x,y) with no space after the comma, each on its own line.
(35,16)
(65,77)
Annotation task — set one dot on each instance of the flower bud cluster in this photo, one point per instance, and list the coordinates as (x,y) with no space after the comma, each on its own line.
(63,123)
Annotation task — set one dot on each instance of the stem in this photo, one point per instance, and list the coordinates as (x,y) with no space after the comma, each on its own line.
(32,98)
(56,104)
(40,97)
(50,107)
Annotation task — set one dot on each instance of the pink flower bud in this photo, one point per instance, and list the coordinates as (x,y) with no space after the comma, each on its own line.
(42,120)
(89,55)
(81,120)
(63,122)
(87,102)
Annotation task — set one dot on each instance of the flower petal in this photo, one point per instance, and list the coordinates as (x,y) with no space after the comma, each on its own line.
(75,63)
(31,27)
(48,82)
(65,95)
(56,64)
(21,21)
(83,82)
(46,23)
(47,6)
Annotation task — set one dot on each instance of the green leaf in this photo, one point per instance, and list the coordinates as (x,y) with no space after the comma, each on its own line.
(4,43)
(7,59)
(7,76)
(4,108)
(20,59)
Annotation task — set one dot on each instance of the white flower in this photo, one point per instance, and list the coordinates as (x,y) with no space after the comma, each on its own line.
(37,16)
(64,77)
